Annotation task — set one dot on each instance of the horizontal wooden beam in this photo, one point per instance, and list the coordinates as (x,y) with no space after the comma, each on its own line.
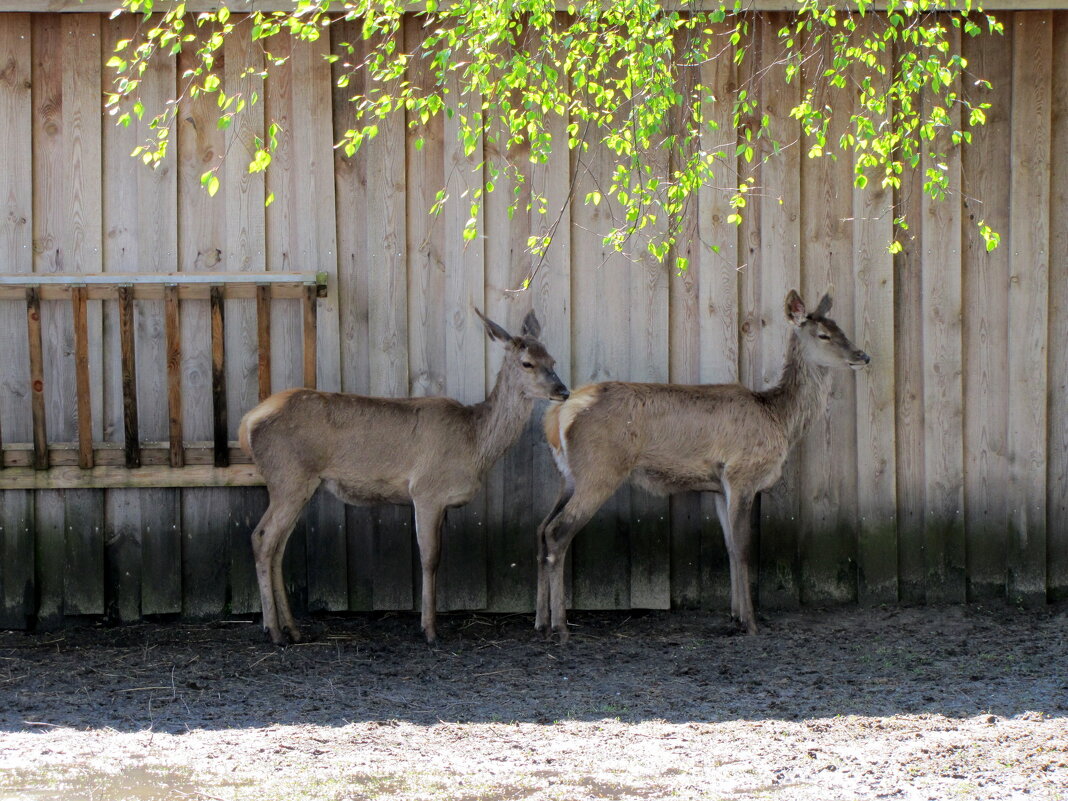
(150,286)
(108,476)
(113,454)
(241,6)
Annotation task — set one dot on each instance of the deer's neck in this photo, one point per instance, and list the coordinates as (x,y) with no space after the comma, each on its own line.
(500,419)
(802,392)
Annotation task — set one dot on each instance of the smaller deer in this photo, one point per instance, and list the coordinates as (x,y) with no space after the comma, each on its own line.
(720,438)
(430,452)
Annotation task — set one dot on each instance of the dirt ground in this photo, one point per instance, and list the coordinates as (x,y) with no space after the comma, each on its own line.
(931,703)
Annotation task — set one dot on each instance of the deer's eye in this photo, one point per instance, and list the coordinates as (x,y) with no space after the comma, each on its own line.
(528,365)
(823,336)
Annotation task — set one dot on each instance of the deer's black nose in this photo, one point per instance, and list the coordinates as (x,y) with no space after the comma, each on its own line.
(864,357)
(563,392)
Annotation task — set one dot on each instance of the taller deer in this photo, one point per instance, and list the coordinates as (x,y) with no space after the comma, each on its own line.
(720,438)
(430,452)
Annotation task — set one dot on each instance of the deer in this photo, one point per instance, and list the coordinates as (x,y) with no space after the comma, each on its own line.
(430,452)
(666,438)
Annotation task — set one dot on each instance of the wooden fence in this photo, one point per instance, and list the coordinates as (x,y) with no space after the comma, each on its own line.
(940,473)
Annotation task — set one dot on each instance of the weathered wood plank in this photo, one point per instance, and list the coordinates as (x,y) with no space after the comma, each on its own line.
(17,558)
(943,520)
(987,165)
(462,575)
(172,327)
(218,379)
(37,384)
(600,287)
(131,438)
(123,578)
(83,576)
(263,341)
(776,269)
(393,334)
(826,457)
(1057,488)
(81,378)
(106,476)
(1028,306)
(874,300)
(18,533)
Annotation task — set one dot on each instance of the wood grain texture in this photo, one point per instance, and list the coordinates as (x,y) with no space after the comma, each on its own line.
(776,269)
(1028,306)
(943,521)
(37,383)
(876,442)
(987,166)
(825,459)
(128,357)
(172,328)
(81,377)
(462,574)
(1057,472)
(218,380)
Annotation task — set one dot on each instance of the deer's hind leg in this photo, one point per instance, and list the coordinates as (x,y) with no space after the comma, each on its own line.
(269,540)
(734,507)
(541,617)
(558,531)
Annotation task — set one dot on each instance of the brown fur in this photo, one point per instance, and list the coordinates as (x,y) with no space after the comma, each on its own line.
(430,452)
(668,438)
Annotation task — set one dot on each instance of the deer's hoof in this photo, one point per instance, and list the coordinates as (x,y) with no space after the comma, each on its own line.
(562,634)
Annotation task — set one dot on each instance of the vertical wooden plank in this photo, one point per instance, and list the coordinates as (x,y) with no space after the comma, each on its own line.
(510,573)
(302,174)
(122,556)
(37,385)
(987,165)
(650,528)
(263,341)
(462,576)
(600,287)
(81,378)
(129,378)
(706,318)
(203,224)
(1028,302)
(218,379)
(17,559)
(874,300)
(1057,487)
(777,269)
(310,326)
(942,389)
(143,543)
(17,562)
(172,326)
(50,561)
(908,388)
(83,577)
(391,334)
(825,460)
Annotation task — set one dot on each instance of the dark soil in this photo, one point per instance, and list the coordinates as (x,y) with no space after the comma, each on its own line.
(953,702)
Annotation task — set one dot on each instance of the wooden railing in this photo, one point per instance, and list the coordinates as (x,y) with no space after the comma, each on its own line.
(133,463)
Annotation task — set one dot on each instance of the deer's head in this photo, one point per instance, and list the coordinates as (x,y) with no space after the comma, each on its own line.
(527,359)
(824,342)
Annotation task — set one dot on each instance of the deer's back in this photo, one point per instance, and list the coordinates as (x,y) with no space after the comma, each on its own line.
(670,436)
(368,449)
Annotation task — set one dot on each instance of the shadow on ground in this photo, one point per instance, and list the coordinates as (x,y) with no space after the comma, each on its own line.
(672,666)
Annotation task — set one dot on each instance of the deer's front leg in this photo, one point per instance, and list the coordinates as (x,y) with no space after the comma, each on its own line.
(429,518)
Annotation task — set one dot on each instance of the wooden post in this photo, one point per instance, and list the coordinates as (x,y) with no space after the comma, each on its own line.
(310,326)
(129,377)
(81,377)
(37,399)
(263,335)
(218,379)
(174,373)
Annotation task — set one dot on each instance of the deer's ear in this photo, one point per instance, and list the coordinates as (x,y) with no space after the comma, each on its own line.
(494,331)
(531,326)
(795,308)
(824,306)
